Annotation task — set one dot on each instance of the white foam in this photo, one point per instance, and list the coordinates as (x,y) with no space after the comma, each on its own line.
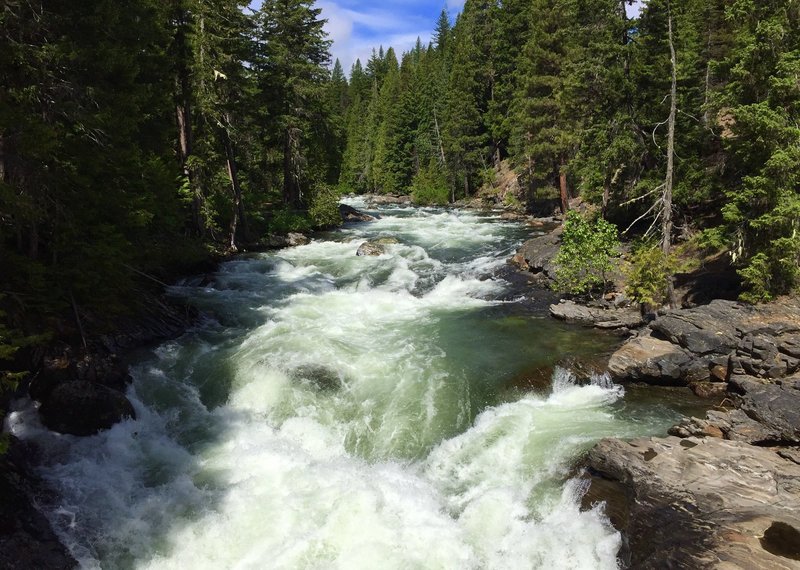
(344,439)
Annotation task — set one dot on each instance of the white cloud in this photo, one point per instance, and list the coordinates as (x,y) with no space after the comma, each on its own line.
(356,31)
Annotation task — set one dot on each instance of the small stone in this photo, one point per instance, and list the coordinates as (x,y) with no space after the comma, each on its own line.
(719,373)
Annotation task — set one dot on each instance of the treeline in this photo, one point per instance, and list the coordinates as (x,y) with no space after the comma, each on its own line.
(138,135)
(578,98)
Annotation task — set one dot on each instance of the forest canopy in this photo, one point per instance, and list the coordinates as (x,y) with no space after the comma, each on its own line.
(142,135)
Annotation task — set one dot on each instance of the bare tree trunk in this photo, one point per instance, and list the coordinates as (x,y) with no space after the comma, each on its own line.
(562,182)
(236,190)
(439,140)
(666,219)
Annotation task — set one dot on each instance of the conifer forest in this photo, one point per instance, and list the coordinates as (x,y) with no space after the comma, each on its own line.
(140,134)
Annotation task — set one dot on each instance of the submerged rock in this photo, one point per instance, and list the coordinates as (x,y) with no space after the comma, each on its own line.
(321,377)
(698,503)
(84,408)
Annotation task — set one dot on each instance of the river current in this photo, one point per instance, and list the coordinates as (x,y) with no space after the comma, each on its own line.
(343,412)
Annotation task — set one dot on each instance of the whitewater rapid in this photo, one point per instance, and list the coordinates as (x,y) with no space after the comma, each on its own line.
(344,412)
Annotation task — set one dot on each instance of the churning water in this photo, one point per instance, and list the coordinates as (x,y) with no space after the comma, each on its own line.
(344,412)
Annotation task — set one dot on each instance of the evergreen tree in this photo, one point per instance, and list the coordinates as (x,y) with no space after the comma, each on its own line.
(759,112)
(291,55)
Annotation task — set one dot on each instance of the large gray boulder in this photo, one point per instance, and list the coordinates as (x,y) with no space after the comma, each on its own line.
(350,214)
(699,503)
(648,359)
(703,330)
(84,408)
(537,255)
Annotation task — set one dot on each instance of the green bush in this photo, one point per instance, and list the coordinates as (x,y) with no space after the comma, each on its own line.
(286,220)
(324,208)
(648,273)
(430,186)
(587,254)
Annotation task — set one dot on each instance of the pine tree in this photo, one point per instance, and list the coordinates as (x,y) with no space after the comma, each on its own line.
(759,110)
(466,137)
(290,63)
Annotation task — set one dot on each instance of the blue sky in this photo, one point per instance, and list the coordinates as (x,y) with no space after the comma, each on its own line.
(356,26)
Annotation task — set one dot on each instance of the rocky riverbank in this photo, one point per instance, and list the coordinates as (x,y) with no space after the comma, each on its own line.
(721,491)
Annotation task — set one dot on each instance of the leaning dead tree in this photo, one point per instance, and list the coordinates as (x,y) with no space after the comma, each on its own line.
(661,209)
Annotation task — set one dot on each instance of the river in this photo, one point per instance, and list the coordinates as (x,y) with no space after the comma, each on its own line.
(335,411)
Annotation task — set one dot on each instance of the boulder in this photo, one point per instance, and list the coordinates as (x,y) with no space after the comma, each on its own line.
(320,377)
(371,248)
(382,200)
(537,255)
(710,329)
(604,318)
(698,503)
(386,241)
(294,239)
(84,408)
(350,214)
(651,360)
(775,406)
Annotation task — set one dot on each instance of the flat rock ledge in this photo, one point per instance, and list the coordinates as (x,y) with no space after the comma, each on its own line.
(603,318)
(698,503)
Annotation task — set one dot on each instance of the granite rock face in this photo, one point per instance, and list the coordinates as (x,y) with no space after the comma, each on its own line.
(649,359)
(723,340)
(699,503)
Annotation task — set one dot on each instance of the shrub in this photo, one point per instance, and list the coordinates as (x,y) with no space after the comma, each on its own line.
(430,186)
(324,208)
(648,273)
(286,220)
(587,254)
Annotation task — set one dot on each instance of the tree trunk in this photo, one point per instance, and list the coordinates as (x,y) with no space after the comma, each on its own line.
(291,183)
(2,159)
(183,113)
(562,182)
(439,141)
(666,220)
(236,190)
